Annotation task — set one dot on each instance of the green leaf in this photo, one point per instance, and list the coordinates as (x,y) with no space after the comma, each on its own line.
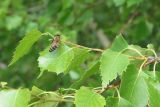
(154,93)
(35,91)
(41,98)
(25,45)
(131,51)
(112,63)
(14,98)
(62,63)
(3,84)
(157,76)
(62,59)
(119,2)
(80,55)
(117,102)
(119,44)
(48,100)
(86,98)
(57,61)
(133,87)
(150,46)
(92,70)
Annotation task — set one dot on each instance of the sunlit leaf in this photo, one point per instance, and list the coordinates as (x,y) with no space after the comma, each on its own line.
(14,98)
(112,64)
(35,91)
(86,98)
(62,59)
(25,45)
(119,44)
(57,61)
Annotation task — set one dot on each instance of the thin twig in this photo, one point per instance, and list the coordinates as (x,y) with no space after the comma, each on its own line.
(136,58)
(80,46)
(101,90)
(141,57)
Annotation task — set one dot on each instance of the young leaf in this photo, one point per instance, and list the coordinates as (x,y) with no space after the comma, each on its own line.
(117,102)
(14,98)
(35,91)
(57,61)
(61,63)
(119,44)
(86,98)
(154,94)
(48,100)
(112,63)
(25,45)
(133,87)
(44,99)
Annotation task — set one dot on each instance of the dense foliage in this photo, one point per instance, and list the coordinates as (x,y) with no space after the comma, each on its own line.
(94,73)
(133,87)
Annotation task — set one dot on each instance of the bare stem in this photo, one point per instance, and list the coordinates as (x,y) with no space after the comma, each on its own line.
(80,46)
(141,57)
(112,86)
(137,58)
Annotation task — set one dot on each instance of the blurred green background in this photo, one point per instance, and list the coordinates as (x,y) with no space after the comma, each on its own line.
(92,23)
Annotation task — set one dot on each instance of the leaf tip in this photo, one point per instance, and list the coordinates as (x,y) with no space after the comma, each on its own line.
(11,63)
